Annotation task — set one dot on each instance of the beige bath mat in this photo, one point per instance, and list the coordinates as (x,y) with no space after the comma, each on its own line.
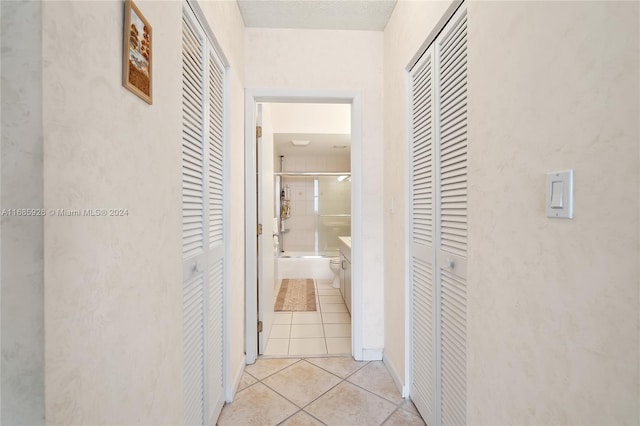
(296,295)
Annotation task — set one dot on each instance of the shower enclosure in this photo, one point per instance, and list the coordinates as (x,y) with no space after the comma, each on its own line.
(313,210)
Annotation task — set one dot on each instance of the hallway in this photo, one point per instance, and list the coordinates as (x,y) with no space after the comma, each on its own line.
(318,391)
(128,246)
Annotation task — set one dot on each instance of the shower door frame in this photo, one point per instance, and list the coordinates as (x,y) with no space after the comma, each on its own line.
(252,98)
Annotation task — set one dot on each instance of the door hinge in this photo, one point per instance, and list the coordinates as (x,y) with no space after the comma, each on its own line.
(258,131)
(259,326)
(259,229)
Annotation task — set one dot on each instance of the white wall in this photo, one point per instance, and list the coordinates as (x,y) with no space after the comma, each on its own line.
(22,290)
(330,61)
(113,285)
(553,304)
(560,297)
(311,118)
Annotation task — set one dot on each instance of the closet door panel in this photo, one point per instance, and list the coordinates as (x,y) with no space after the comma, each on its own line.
(451,256)
(203,225)
(422,226)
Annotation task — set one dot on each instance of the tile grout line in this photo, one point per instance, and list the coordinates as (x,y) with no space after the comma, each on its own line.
(344,380)
(323,327)
(389,416)
(291,402)
(375,394)
(276,372)
(341,380)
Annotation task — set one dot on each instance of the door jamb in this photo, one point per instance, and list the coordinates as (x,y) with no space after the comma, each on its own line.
(252,97)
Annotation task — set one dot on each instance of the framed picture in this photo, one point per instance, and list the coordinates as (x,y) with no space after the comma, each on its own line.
(137,57)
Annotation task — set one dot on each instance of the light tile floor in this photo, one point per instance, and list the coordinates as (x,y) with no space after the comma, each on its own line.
(324,332)
(318,391)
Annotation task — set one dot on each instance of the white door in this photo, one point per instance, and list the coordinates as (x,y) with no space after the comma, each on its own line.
(265,215)
(203,223)
(439,226)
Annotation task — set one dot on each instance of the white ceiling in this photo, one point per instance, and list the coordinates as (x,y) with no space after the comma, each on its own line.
(319,144)
(367,15)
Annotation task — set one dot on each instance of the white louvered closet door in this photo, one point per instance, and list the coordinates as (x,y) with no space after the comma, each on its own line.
(451,193)
(439,227)
(216,235)
(422,238)
(203,223)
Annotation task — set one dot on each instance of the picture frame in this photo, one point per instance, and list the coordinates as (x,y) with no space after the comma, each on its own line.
(137,58)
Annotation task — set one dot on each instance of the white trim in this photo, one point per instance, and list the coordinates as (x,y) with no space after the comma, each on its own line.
(357,260)
(371,355)
(408,300)
(252,96)
(226,215)
(251,243)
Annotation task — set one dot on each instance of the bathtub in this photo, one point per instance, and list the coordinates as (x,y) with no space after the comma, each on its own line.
(299,265)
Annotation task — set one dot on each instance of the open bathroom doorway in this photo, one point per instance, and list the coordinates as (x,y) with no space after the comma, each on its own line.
(306,200)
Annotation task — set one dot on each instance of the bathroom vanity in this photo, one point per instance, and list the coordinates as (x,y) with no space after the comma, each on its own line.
(345,270)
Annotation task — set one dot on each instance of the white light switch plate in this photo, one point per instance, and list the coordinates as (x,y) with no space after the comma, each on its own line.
(559,201)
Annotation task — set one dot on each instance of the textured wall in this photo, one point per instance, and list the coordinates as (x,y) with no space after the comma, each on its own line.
(21,245)
(553,304)
(330,61)
(113,285)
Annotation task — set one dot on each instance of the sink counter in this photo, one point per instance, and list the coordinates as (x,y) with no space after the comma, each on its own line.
(344,244)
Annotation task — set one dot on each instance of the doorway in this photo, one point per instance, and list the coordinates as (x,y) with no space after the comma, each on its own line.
(309,188)
(304,164)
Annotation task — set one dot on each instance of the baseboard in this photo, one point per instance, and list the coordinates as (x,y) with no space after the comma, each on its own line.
(404,389)
(371,354)
(235,381)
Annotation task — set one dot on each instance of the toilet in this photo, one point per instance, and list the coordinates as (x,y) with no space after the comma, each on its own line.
(334,264)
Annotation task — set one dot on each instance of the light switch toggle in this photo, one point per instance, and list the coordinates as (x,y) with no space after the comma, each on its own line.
(559,203)
(557,189)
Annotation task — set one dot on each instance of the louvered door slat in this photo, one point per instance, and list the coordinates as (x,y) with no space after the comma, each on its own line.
(216,159)
(423,333)
(215,337)
(192,151)
(453,119)
(202,211)
(452,217)
(422,159)
(194,350)
(422,236)
(454,348)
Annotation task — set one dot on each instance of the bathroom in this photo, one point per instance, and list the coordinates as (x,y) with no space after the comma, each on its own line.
(306,191)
